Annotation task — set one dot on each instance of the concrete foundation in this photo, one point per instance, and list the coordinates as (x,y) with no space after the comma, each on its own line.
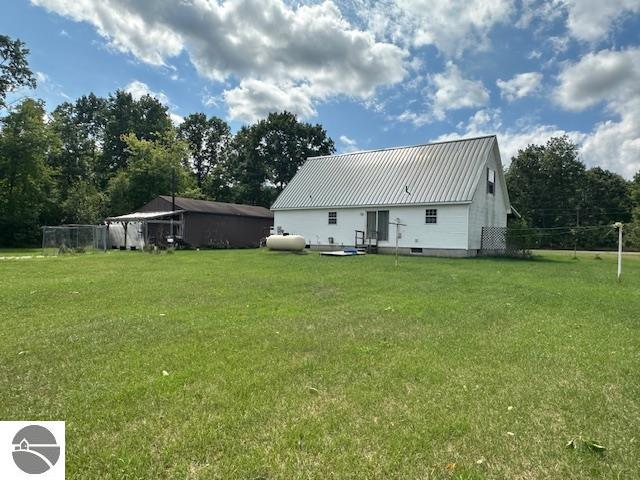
(426,252)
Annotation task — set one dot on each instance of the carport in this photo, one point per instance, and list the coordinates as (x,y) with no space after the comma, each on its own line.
(147,219)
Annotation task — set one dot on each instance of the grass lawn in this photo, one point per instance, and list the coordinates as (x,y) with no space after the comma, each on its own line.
(20,252)
(301,366)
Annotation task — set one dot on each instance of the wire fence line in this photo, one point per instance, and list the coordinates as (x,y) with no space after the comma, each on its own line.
(74,239)
(518,242)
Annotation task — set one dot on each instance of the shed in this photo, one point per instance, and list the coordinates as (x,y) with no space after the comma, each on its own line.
(196,223)
(435,197)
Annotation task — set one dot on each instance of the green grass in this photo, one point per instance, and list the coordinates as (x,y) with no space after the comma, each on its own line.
(300,366)
(20,252)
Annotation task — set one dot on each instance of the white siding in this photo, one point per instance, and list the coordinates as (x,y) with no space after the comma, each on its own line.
(449,233)
(487,210)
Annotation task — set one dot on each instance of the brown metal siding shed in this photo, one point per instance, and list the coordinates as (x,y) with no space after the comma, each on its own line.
(217,224)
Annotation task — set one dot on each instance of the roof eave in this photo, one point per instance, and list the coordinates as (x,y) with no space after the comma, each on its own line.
(396,205)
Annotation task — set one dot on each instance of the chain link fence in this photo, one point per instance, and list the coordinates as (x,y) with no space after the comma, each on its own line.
(74,239)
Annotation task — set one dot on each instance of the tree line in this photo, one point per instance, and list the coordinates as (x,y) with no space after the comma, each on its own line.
(101,156)
(565,205)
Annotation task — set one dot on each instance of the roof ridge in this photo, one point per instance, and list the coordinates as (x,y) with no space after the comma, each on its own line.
(402,146)
(168,197)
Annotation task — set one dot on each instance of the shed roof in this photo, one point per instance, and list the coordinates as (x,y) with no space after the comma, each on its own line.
(138,216)
(443,172)
(219,208)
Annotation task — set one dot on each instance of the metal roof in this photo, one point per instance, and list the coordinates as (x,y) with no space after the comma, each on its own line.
(443,172)
(137,216)
(220,208)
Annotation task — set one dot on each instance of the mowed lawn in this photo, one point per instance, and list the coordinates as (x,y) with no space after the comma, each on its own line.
(300,366)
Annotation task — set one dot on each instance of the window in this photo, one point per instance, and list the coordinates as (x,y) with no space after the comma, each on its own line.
(491,181)
(431,215)
(333,218)
(416,250)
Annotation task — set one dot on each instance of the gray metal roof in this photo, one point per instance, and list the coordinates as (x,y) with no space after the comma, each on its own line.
(444,172)
(141,216)
(219,208)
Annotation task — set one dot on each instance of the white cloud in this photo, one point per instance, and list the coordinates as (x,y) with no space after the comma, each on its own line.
(586,20)
(254,99)
(451,91)
(280,52)
(611,145)
(452,26)
(616,144)
(349,144)
(591,20)
(41,77)
(447,90)
(123,25)
(559,44)
(175,118)
(521,85)
(510,140)
(418,119)
(530,10)
(482,119)
(611,78)
(138,89)
(212,101)
(607,75)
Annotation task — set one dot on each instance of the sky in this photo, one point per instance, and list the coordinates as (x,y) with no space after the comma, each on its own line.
(375,74)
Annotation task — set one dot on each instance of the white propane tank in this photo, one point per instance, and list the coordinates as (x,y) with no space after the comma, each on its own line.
(285,242)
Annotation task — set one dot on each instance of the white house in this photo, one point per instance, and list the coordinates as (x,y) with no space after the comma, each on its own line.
(442,195)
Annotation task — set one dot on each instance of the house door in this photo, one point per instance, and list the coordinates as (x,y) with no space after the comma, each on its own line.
(378,225)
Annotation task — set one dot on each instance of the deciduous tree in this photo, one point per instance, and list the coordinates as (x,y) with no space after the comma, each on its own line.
(26,184)
(14,67)
(154,167)
(209,140)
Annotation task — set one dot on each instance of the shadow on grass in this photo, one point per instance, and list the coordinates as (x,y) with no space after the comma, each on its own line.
(288,252)
(535,258)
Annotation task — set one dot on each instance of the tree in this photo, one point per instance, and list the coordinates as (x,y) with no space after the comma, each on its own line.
(633,229)
(546,185)
(285,144)
(91,117)
(14,68)
(26,186)
(154,168)
(249,171)
(607,200)
(208,140)
(634,191)
(72,160)
(83,204)
(146,118)
(551,188)
(267,155)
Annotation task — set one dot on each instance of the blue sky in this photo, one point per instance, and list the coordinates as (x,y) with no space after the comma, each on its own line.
(374,73)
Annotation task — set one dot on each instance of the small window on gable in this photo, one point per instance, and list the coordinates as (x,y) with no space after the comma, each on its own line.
(333,218)
(431,215)
(491,181)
